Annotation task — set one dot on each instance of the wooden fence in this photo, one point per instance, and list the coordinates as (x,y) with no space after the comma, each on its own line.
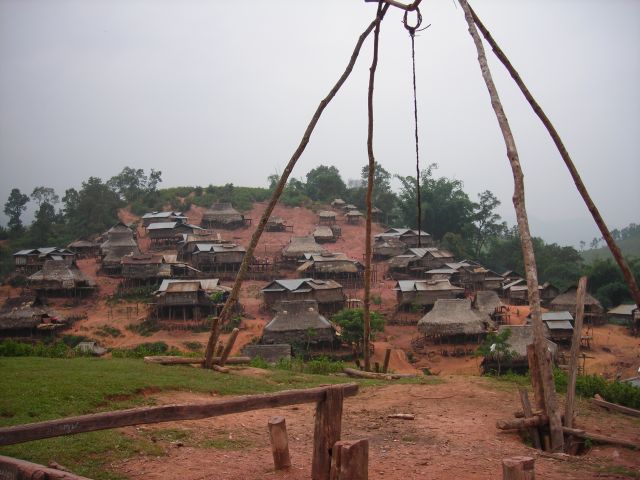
(327,429)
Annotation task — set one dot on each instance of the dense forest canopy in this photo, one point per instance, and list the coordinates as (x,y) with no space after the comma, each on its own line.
(469,228)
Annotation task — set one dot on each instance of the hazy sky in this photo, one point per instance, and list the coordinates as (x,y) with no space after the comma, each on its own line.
(217,92)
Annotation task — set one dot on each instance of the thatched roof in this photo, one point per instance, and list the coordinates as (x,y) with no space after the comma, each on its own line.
(323,232)
(442,285)
(299,315)
(567,301)
(58,271)
(521,336)
(23,315)
(301,285)
(453,317)
(222,212)
(623,310)
(301,245)
(326,214)
(487,301)
(329,262)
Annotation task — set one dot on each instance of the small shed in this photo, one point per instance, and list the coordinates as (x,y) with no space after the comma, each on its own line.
(454,320)
(159,217)
(169,233)
(558,326)
(223,215)
(59,279)
(622,314)
(408,236)
(188,242)
(326,217)
(593,310)
(487,301)
(189,300)
(299,322)
(338,203)
(277,224)
(323,234)
(335,266)
(412,294)
(298,246)
(217,257)
(387,247)
(353,216)
(143,266)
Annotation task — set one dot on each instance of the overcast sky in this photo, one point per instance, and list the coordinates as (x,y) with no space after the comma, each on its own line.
(218,92)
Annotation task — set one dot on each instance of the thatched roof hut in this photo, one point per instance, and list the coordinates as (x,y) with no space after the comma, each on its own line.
(338,202)
(421,293)
(326,217)
(487,301)
(328,293)
(58,277)
(222,215)
(298,322)
(20,317)
(386,247)
(520,337)
(453,318)
(120,242)
(298,246)
(323,234)
(158,217)
(593,310)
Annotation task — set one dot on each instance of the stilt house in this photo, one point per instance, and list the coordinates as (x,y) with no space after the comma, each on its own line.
(299,322)
(327,293)
(32,260)
(223,215)
(59,279)
(423,294)
(454,320)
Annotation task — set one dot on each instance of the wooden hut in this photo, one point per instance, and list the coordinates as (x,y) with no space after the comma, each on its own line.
(622,314)
(423,294)
(558,326)
(376,214)
(408,236)
(142,268)
(160,217)
(548,292)
(488,302)
(387,247)
(187,245)
(454,320)
(277,224)
(326,217)
(297,247)
(84,248)
(323,234)
(510,276)
(593,310)
(334,266)
(169,233)
(223,215)
(521,336)
(32,260)
(59,279)
(120,241)
(299,323)
(327,293)
(20,317)
(217,257)
(430,257)
(353,216)
(338,203)
(188,300)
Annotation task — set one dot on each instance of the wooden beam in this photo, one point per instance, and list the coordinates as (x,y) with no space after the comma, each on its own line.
(528,413)
(167,413)
(522,423)
(597,437)
(597,400)
(328,427)
(387,357)
(573,355)
(350,460)
(16,469)
(279,443)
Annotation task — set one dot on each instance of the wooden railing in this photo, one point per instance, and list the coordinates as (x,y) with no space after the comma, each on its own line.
(327,430)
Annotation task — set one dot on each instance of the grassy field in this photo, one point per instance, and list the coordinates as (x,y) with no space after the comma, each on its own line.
(37,389)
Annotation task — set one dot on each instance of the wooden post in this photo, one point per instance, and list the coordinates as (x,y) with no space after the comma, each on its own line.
(518,468)
(387,357)
(328,426)
(350,460)
(219,349)
(528,413)
(279,443)
(229,346)
(575,347)
(536,379)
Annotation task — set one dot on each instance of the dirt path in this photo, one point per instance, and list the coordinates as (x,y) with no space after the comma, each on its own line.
(453,436)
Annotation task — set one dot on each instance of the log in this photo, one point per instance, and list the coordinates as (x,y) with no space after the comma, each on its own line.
(387,357)
(573,355)
(518,468)
(596,437)
(279,443)
(352,372)
(402,416)
(166,413)
(327,430)
(536,378)
(350,460)
(168,360)
(13,468)
(528,413)
(229,346)
(522,423)
(220,369)
(219,350)
(597,400)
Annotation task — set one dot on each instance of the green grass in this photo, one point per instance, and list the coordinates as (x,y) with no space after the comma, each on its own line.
(36,389)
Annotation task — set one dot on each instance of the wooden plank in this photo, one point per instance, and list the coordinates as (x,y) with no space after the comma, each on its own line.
(13,468)
(387,357)
(279,443)
(597,437)
(573,355)
(528,413)
(597,400)
(328,427)
(352,372)
(350,460)
(166,413)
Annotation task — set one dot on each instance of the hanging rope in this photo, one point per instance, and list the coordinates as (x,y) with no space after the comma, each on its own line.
(412,33)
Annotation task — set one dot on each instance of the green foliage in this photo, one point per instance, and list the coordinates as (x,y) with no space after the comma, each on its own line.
(72,341)
(622,393)
(259,362)
(11,348)
(146,328)
(14,208)
(351,322)
(216,297)
(496,346)
(376,299)
(234,322)
(108,331)
(325,183)
(607,283)
(627,238)
(145,350)
(320,365)
(194,346)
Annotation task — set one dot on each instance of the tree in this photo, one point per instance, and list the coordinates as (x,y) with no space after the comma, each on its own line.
(14,208)
(486,223)
(129,184)
(95,209)
(324,183)
(42,227)
(383,196)
(70,201)
(496,346)
(45,195)
(351,323)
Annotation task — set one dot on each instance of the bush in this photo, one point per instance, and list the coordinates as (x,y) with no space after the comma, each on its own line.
(146,328)
(258,362)
(11,348)
(72,341)
(145,350)
(234,322)
(622,393)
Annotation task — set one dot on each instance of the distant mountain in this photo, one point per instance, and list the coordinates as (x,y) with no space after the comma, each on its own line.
(630,248)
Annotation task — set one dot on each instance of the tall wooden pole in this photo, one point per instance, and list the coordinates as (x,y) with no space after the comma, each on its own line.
(550,399)
(573,356)
(582,189)
(244,266)
(366,313)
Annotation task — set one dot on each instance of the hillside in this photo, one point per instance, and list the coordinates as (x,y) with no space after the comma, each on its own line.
(630,248)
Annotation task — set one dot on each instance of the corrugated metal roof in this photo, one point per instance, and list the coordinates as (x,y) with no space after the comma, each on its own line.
(559,325)
(162,226)
(192,286)
(556,316)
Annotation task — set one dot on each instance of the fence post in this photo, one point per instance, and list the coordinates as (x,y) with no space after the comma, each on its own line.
(350,460)
(279,443)
(327,431)
(518,468)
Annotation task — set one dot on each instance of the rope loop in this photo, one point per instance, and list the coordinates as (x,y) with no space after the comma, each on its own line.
(405,20)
